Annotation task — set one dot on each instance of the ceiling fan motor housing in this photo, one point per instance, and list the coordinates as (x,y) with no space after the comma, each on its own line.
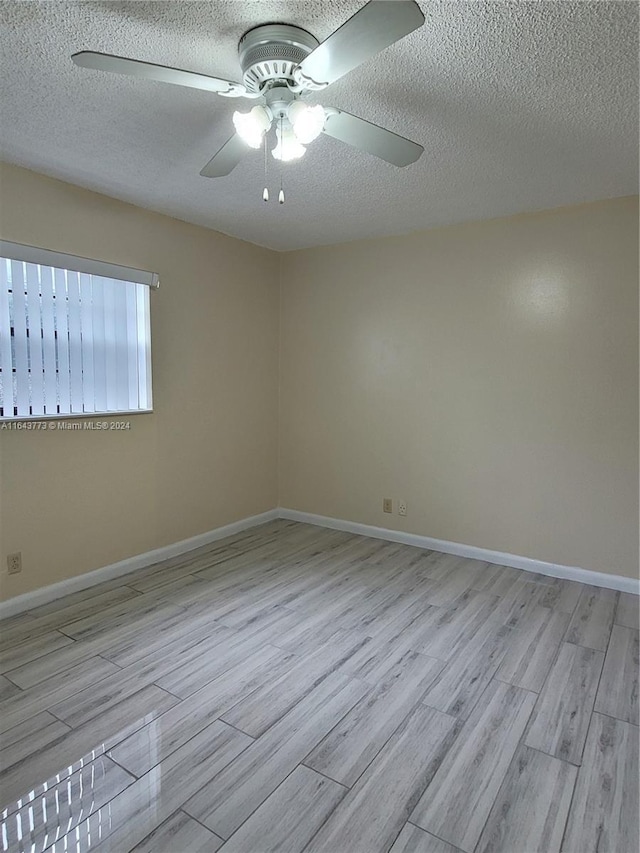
(271,52)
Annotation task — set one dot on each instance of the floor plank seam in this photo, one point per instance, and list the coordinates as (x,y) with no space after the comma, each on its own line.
(7,675)
(320,773)
(618,719)
(191,817)
(134,776)
(410,823)
(235,728)
(573,796)
(102,656)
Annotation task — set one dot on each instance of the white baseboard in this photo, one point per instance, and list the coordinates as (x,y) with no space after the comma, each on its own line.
(554,570)
(29,600)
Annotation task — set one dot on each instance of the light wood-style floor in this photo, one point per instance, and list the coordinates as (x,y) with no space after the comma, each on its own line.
(298,689)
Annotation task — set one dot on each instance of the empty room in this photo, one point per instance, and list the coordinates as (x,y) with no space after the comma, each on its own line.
(319,433)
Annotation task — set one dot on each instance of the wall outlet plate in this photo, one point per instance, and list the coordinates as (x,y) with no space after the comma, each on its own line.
(14,563)
(387,505)
(402,507)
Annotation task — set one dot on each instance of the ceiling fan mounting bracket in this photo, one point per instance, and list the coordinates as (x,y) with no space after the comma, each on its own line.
(271,52)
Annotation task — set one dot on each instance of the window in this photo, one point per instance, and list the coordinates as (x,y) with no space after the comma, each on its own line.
(75,335)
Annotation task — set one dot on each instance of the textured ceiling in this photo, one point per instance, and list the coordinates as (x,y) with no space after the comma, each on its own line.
(519,106)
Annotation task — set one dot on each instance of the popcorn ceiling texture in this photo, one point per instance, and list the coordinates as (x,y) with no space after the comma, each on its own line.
(520,106)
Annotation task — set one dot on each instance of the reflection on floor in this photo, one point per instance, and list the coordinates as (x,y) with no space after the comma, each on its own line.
(298,689)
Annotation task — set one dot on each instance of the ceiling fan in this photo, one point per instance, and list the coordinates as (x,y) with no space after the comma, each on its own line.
(281,64)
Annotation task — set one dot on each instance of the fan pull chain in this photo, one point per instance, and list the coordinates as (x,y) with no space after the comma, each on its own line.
(265,191)
(281,193)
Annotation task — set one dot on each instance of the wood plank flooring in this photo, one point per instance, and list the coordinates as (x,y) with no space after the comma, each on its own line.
(293,689)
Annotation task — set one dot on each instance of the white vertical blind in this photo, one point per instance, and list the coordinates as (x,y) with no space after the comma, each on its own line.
(48,339)
(86,326)
(110,342)
(132,346)
(62,340)
(122,368)
(72,342)
(99,345)
(144,346)
(34,325)
(6,355)
(21,357)
(75,340)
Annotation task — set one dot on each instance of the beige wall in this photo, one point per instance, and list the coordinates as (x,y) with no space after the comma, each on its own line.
(486,373)
(72,502)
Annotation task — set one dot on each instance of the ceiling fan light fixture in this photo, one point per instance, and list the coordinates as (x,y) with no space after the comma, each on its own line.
(288,147)
(281,63)
(252,126)
(308,122)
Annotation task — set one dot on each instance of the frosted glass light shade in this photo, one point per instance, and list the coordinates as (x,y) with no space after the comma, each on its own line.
(288,147)
(307,121)
(252,126)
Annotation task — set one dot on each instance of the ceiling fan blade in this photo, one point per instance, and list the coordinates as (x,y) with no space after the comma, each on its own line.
(372,138)
(161,73)
(377,25)
(226,159)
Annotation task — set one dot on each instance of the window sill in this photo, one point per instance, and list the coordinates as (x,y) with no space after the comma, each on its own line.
(87,416)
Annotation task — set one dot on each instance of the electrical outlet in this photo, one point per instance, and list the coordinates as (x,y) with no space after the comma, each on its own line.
(402,507)
(14,563)
(387,505)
